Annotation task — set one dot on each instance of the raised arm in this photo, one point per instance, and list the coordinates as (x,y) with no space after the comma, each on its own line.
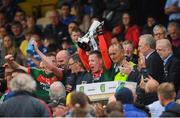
(58,72)
(104,51)
(14,64)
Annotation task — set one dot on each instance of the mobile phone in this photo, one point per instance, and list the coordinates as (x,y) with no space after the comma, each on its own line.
(145,74)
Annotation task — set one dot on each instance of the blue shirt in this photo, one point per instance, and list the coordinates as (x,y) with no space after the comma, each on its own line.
(131,111)
(30,62)
(169,3)
(169,105)
(165,60)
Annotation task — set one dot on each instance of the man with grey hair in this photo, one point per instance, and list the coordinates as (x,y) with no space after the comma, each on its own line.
(57,90)
(22,103)
(174,37)
(153,64)
(159,32)
(171,63)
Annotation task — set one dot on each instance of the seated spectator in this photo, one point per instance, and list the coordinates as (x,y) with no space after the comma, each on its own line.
(56,28)
(9,9)
(159,32)
(16,29)
(19,16)
(125,96)
(10,48)
(128,31)
(32,26)
(33,59)
(174,37)
(22,102)
(65,16)
(166,95)
(148,27)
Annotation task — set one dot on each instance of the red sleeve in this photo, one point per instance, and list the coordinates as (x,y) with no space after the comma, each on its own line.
(29,71)
(104,52)
(84,58)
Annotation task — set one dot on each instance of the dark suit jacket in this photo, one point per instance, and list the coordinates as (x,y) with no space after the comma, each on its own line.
(155,67)
(172,71)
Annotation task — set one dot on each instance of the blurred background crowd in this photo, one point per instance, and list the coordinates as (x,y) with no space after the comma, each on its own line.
(41,60)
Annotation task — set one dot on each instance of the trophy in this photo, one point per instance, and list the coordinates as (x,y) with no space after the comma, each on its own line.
(88,40)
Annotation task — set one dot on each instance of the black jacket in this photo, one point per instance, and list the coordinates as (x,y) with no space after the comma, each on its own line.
(155,67)
(23,104)
(173,111)
(172,71)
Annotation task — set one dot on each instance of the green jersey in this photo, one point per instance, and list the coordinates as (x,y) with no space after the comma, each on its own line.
(43,81)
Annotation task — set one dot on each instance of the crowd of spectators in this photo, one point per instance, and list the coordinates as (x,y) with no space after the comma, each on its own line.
(40,67)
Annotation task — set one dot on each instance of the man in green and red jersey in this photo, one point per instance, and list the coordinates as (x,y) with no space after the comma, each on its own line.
(44,77)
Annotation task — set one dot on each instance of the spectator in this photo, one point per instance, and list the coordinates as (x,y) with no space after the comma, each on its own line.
(172,8)
(33,59)
(57,90)
(148,27)
(32,26)
(125,96)
(153,62)
(171,63)
(128,31)
(19,16)
(174,37)
(166,95)
(56,28)
(78,105)
(9,9)
(116,9)
(23,103)
(114,106)
(159,32)
(10,48)
(16,29)
(65,16)
(58,107)
(129,52)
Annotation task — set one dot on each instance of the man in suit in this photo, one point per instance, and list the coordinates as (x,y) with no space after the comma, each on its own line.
(153,62)
(171,63)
